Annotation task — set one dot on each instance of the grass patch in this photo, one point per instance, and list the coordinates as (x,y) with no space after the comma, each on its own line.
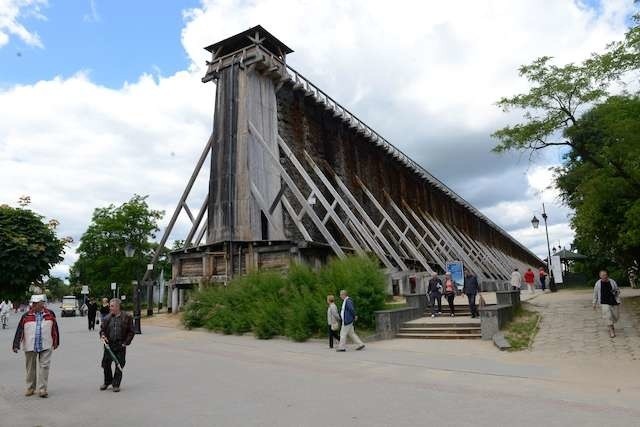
(521,330)
(393,306)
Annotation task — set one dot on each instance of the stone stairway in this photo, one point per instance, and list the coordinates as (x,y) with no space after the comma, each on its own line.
(462,326)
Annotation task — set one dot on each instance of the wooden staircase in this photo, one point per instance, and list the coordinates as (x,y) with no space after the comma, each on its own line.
(462,326)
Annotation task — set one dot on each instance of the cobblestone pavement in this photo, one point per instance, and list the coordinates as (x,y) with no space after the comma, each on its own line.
(571,328)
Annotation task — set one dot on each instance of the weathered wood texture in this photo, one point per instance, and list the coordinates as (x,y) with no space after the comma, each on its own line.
(306,125)
(240,165)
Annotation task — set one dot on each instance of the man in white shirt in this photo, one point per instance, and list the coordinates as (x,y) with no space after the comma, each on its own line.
(516,280)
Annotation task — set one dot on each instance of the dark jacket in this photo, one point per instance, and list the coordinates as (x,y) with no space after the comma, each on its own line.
(349,312)
(126,331)
(104,310)
(435,286)
(92,309)
(471,285)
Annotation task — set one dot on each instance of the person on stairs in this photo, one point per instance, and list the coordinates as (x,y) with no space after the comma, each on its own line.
(471,288)
(450,292)
(434,291)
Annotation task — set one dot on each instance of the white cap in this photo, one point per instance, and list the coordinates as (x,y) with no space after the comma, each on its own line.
(38,298)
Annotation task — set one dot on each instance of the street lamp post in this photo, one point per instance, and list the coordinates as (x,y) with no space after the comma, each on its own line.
(536,222)
(129,251)
(136,307)
(149,292)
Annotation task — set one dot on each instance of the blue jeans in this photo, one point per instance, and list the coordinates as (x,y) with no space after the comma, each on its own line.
(433,298)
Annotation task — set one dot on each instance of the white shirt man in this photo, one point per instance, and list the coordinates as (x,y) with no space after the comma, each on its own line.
(516,279)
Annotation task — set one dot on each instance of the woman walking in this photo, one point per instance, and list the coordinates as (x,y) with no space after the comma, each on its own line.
(104,309)
(333,320)
(607,294)
(450,292)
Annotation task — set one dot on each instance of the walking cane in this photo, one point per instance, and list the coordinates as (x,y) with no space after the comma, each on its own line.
(113,357)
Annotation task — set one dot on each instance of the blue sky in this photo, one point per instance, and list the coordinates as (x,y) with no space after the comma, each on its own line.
(115,41)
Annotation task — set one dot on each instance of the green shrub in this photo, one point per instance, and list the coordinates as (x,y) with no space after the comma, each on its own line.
(270,304)
(364,282)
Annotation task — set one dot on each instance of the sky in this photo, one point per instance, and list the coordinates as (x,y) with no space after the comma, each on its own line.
(100,100)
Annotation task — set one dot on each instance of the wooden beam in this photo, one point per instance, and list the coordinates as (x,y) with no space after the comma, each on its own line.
(360,230)
(319,196)
(296,192)
(463,255)
(183,198)
(415,232)
(415,253)
(372,226)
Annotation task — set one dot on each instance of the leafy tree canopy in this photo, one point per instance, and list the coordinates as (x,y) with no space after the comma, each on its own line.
(29,248)
(559,95)
(102,260)
(606,206)
(572,106)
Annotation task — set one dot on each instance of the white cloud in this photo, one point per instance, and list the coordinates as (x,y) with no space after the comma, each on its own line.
(425,74)
(11,11)
(93,15)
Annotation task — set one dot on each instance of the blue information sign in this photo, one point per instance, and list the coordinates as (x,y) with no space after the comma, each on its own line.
(457,272)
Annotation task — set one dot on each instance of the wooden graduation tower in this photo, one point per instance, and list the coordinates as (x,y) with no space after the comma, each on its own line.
(295,176)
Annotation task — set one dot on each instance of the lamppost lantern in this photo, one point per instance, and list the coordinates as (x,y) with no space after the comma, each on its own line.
(535,222)
(554,249)
(129,250)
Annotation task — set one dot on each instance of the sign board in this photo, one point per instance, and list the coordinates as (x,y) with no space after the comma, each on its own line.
(113,286)
(150,267)
(85,290)
(123,297)
(457,272)
(556,268)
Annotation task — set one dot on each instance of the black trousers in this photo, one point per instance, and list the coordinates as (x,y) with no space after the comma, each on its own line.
(472,304)
(332,334)
(450,298)
(109,376)
(92,321)
(543,283)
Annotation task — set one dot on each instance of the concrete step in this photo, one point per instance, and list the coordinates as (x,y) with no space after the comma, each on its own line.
(439,330)
(431,336)
(441,325)
(447,314)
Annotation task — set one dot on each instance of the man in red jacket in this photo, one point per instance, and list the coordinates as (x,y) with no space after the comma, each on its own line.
(38,334)
(529,279)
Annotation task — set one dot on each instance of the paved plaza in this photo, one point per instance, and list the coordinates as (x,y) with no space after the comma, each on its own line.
(570,328)
(184,378)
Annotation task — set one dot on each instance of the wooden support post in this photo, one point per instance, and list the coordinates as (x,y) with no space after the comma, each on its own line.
(296,192)
(374,229)
(415,232)
(415,253)
(463,255)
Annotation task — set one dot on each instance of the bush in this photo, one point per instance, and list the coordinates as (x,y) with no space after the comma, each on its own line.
(270,304)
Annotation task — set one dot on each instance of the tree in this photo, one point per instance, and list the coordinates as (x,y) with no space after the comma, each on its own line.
(606,206)
(102,259)
(29,248)
(55,288)
(571,106)
(560,94)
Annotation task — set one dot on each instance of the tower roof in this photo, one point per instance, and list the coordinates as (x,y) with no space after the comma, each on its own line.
(254,35)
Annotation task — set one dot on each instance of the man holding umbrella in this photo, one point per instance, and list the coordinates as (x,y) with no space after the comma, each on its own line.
(116,333)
